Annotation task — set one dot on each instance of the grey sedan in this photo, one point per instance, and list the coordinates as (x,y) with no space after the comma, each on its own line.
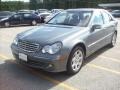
(63,43)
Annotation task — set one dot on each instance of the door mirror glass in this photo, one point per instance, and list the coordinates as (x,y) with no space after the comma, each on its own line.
(94,27)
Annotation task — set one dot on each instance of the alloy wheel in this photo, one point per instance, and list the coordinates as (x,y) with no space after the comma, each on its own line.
(7,24)
(77,60)
(34,22)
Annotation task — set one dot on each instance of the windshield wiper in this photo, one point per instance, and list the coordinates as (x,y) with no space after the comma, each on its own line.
(61,24)
(68,24)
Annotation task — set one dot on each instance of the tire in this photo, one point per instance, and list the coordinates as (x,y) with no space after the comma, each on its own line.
(7,24)
(33,23)
(113,40)
(75,63)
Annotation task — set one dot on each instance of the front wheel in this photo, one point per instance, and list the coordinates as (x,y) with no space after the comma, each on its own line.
(7,24)
(75,61)
(34,23)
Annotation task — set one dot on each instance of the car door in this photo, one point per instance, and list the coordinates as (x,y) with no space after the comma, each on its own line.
(95,38)
(15,19)
(26,18)
(109,26)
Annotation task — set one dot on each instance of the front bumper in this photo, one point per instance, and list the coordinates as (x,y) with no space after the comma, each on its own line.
(51,63)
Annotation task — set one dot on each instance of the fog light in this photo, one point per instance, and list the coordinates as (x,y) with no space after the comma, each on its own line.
(50,65)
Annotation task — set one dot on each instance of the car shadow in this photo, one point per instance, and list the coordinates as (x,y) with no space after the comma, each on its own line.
(16,76)
(96,54)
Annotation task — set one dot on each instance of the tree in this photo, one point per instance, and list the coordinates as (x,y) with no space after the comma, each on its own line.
(13,5)
(51,4)
(33,4)
(0,5)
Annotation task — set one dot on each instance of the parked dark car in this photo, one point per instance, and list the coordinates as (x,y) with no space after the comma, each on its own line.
(5,14)
(20,18)
(63,43)
(116,13)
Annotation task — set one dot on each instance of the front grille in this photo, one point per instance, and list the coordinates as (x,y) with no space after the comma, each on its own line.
(28,46)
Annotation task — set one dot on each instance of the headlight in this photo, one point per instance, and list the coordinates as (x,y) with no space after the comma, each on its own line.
(52,49)
(15,41)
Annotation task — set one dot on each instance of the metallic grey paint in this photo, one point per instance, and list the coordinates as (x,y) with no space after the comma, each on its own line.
(70,36)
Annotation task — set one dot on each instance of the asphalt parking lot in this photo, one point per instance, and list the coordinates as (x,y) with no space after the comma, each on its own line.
(101,71)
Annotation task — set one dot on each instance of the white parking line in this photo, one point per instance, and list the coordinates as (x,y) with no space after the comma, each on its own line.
(103,68)
(112,59)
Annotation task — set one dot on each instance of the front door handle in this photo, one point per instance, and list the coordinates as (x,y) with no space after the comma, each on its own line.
(105,28)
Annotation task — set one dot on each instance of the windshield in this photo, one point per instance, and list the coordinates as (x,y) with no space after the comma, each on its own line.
(72,18)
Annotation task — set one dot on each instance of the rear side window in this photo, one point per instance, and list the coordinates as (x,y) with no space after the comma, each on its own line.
(27,15)
(16,16)
(98,19)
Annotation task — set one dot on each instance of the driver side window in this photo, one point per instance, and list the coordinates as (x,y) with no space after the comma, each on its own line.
(98,19)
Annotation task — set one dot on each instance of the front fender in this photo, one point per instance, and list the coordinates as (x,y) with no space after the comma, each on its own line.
(68,47)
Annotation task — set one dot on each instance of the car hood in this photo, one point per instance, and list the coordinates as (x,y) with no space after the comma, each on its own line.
(48,33)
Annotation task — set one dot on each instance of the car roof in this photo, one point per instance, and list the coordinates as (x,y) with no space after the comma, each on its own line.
(57,9)
(43,9)
(5,12)
(85,9)
(24,13)
(24,10)
(44,13)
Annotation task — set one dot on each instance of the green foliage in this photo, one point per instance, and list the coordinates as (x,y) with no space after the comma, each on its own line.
(0,4)
(33,4)
(70,3)
(13,5)
(75,3)
(51,4)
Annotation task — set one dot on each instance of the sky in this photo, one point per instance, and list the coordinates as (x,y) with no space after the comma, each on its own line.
(17,0)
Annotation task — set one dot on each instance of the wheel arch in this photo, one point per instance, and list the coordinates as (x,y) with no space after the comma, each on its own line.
(82,45)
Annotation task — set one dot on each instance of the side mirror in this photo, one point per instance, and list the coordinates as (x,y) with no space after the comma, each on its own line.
(96,26)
